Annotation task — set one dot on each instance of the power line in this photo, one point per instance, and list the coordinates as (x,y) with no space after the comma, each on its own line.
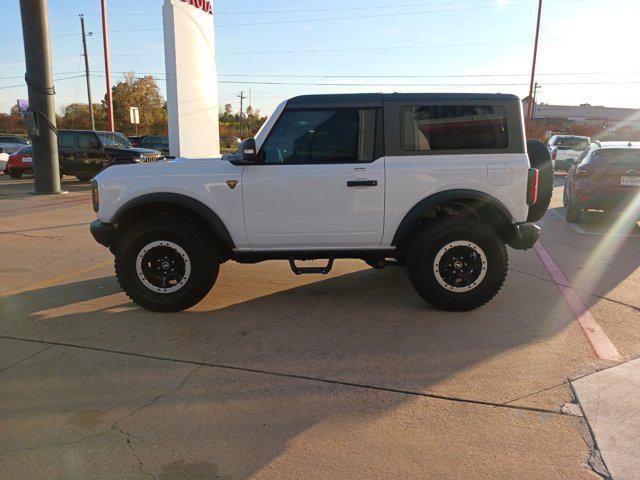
(426,76)
(24,84)
(380,15)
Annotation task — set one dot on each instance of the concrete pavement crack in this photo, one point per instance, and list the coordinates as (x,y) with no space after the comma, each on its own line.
(37,236)
(535,393)
(127,436)
(26,358)
(258,371)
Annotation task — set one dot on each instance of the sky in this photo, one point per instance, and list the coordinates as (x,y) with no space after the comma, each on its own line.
(277,49)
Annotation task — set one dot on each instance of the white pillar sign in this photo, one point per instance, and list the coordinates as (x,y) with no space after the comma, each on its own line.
(192,78)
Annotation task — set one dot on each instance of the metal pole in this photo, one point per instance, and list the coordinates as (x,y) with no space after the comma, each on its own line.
(86,69)
(105,40)
(242,97)
(39,79)
(533,68)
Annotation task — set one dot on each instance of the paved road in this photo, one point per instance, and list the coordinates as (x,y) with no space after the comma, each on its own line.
(348,375)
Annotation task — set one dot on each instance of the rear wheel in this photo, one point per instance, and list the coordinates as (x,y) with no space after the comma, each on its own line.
(85,177)
(165,264)
(572,213)
(457,264)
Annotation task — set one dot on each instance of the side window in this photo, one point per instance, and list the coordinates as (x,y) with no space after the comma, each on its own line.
(345,135)
(583,155)
(66,140)
(87,141)
(453,127)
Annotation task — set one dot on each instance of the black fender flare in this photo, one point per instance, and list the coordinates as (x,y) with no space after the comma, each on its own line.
(196,206)
(417,212)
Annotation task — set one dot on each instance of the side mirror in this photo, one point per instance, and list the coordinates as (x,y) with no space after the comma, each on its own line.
(248,153)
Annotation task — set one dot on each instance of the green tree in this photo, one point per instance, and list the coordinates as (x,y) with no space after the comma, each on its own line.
(144,93)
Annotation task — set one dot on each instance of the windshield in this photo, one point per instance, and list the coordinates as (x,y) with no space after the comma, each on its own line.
(572,142)
(114,140)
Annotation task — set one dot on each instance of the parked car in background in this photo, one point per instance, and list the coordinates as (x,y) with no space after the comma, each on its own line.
(155,142)
(11,143)
(3,160)
(565,149)
(20,162)
(605,177)
(84,153)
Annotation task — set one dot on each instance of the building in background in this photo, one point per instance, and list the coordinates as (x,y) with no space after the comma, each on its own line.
(585,119)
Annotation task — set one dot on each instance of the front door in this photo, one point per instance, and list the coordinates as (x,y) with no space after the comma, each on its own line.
(319,183)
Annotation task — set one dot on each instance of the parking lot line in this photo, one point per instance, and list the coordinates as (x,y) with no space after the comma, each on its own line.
(30,207)
(600,343)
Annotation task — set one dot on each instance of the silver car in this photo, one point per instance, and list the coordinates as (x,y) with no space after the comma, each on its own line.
(11,144)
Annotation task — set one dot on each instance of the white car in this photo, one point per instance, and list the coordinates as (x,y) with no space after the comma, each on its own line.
(11,143)
(438,183)
(4,158)
(565,149)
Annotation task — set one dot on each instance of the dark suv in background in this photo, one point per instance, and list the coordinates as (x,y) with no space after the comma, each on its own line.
(606,177)
(83,153)
(154,142)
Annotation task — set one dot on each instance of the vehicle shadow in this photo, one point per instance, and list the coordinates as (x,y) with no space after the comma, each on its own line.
(266,341)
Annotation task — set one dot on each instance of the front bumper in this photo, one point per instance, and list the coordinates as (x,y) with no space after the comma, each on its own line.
(103,233)
(522,236)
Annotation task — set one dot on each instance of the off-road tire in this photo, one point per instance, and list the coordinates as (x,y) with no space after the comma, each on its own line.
(572,214)
(539,158)
(15,174)
(423,251)
(188,235)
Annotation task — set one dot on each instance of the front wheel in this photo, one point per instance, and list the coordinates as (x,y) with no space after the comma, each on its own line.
(15,173)
(457,264)
(166,264)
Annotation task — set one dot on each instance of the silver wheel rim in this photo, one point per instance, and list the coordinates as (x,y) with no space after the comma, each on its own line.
(471,247)
(181,282)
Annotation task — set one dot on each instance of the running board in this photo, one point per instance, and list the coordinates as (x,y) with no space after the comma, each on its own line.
(310,270)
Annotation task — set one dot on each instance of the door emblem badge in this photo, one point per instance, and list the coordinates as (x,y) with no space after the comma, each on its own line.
(232,184)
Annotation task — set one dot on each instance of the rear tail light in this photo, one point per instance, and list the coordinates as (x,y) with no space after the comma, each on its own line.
(554,154)
(584,171)
(532,186)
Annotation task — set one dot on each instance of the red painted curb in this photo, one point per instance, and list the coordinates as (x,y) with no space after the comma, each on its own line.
(599,341)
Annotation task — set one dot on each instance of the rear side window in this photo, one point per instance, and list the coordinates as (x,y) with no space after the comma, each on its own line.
(67,140)
(87,140)
(453,127)
(344,135)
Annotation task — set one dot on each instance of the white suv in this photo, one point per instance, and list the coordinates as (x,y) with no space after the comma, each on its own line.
(438,183)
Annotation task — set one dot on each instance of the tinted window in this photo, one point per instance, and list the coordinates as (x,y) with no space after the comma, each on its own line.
(13,140)
(453,127)
(115,139)
(87,140)
(321,136)
(66,140)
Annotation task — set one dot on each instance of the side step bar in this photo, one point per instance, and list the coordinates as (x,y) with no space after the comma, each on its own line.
(310,270)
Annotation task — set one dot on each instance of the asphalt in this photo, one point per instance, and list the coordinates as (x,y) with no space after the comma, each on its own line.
(348,375)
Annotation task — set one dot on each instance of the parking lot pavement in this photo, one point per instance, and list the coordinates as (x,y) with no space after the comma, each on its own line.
(348,375)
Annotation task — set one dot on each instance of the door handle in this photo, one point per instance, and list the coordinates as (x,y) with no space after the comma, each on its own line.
(362,183)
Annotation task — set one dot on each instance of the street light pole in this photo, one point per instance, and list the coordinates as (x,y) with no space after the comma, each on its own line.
(86,71)
(533,68)
(105,40)
(39,79)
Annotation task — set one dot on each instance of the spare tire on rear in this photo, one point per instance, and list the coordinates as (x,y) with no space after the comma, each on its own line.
(539,158)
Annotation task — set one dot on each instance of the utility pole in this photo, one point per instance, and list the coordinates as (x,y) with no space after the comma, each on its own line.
(533,68)
(241,97)
(86,70)
(535,100)
(105,41)
(39,79)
